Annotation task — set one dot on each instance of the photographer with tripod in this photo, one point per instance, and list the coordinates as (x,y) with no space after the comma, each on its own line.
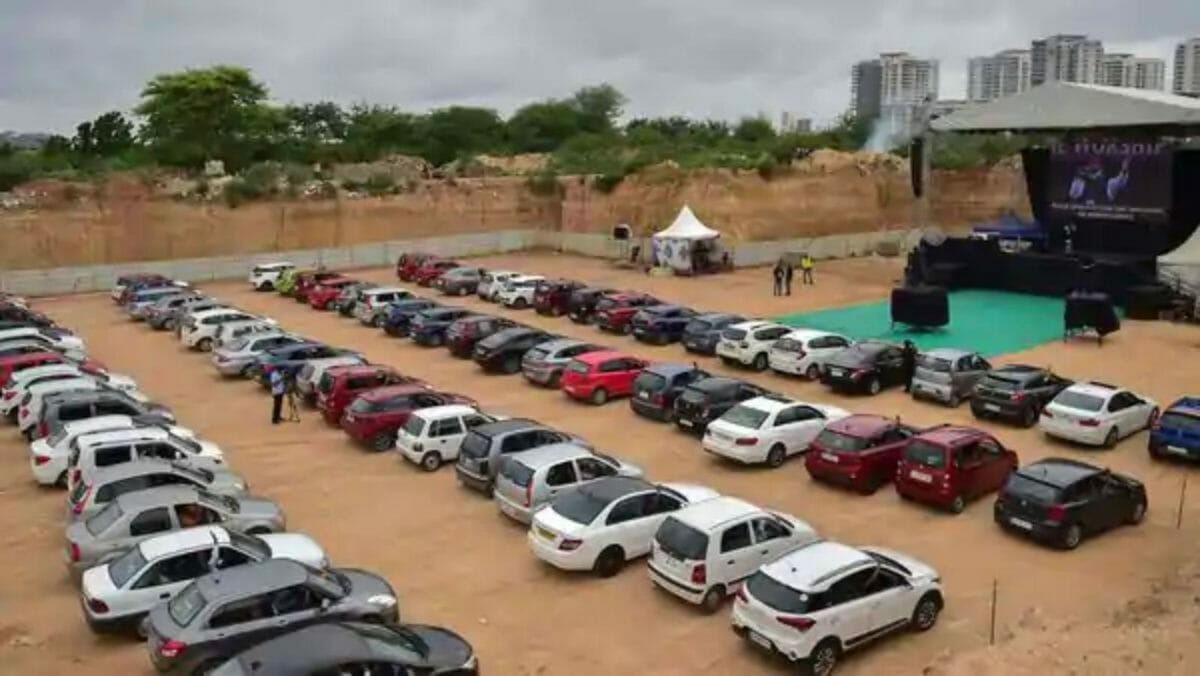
(283,385)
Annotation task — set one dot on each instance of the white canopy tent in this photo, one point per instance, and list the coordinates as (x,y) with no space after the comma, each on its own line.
(674,246)
(1183,263)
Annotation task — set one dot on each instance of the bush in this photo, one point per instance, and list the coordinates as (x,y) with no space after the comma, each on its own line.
(262,180)
(606,183)
(543,183)
(767,167)
(380,183)
(238,191)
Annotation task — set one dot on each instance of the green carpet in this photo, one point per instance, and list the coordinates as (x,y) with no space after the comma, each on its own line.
(989,322)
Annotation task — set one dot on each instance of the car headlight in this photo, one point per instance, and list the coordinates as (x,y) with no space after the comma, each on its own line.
(382,600)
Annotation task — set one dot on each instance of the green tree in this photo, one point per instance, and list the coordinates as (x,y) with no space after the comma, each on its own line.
(543,127)
(754,130)
(374,131)
(459,131)
(107,136)
(599,106)
(851,132)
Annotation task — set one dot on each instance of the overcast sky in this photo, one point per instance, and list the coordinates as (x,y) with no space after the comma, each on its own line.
(65,61)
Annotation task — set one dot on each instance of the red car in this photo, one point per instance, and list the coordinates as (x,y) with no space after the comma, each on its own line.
(374,417)
(947,466)
(19,362)
(615,311)
(340,385)
(408,264)
(859,452)
(324,293)
(431,269)
(463,334)
(305,281)
(597,376)
(551,297)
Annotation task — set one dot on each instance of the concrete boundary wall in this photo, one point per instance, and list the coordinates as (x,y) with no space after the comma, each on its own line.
(57,281)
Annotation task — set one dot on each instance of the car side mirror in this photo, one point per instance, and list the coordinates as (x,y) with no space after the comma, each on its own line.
(325,604)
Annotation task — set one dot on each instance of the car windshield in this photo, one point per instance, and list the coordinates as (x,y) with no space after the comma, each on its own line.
(789,345)
(697,326)
(681,540)
(932,363)
(104,519)
(580,506)
(250,543)
(186,605)
(517,472)
(364,405)
(325,386)
(126,566)
(733,334)
(836,441)
(58,437)
(414,425)
(475,445)
(536,354)
(579,367)
(1079,400)
(605,304)
(1026,487)
(1180,421)
(1002,384)
(693,395)
(777,595)
(649,382)
(332,578)
(926,454)
(745,416)
(237,344)
(191,445)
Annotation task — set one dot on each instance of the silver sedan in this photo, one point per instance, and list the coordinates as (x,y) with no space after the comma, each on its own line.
(242,353)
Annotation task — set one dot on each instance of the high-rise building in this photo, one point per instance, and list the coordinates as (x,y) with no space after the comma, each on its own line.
(1127,70)
(866,84)
(1002,74)
(1150,74)
(892,89)
(1066,58)
(1187,68)
(790,123)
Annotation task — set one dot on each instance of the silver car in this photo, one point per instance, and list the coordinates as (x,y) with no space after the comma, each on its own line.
(135,516)
(145,305)
(544,364)
(238,355)
(530,479)
(947,375)
(86,499)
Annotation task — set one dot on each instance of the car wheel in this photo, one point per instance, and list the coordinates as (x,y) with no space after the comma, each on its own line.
(958,504)
(511,365)
(378,321)
(776,456)
(1153,418)
(520,304)
(1029,417)
(1110,439)
(1072,537)
(813,372)
(824,658)
(713,599)
(431,461)
(555,380)
(265,286)
(382,442)
(205,345)
(555,311)
(954,401)
(760,362)
(437,339)
(874,386)
(627,329)
(925,615)
(727,361)
(1138,514)
(610,562)
(599,396)
(462,290)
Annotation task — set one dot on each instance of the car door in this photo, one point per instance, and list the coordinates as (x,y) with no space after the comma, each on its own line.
(243,622)
(772,538)
(559,477)
(889,600)
(166,576)
(848,613)
(890,363)
(969,470)
(150,522)
(161,450)
(737,556)
(445,434)
(800,427)
(627,527)
(1113,500)
(1131,415)
(996,465)
(656,508)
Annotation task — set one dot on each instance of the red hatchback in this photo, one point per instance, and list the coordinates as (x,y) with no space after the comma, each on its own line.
(324,293)
(374,417)
(615,311)
(431,270)
(306,281)
(340,385)
(552,296)
(597,376)
(947,466)
(408,264)
(19,362)
(859,452)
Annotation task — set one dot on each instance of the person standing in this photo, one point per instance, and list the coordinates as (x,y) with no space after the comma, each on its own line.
(777,273)
(278,389)
(788,272)
(909,358)
(806,268)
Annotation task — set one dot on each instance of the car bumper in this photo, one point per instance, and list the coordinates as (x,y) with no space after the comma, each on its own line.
(539,376)
(1041,531)
(426,338)
(933,391)
(112,625)
(668,583)
(47,473)
(578,391)
(699,344)
(789,365)
(766,639)
(995,409)
(844,383)
(1063,429)
(231,367)
(512,510)
(190,339)
(471,479)
(856,478)
(650,336)
(691,426)
(543,549)
(727,449)
(929,494)
(649,409)
(1173,448)
(406,451)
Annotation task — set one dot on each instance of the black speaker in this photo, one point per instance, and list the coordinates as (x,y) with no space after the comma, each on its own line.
(620,232)
(916,155)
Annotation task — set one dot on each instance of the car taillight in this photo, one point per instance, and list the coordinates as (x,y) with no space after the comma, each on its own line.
(1090,422)
(660,399)
(797,623)
(171,648)
(76,475)
(1056,513)
(1017,396)
(97,606)
(40,460)
(699,574)
(77,508)
(11,394)
(43,429)
(529,494)
(24,412)
(859,373)
(746,441)
(75,553)
(570,545)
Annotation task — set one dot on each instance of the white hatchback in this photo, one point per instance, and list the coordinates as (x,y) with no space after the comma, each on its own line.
(49,458)
(491,283)
(264,275)
(803,352)
(20,382)
(1097,414)
(518,291)
(69,344)
(749,343)
(433,436)
(768,429)
(94,450)
(199,330)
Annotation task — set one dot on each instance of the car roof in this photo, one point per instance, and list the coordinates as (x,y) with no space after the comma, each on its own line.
(1185,405)
(550,454)
(350,370)
(716,511)
(1017,371)
(186,538)
(614,487)
(238,581)
(600,356)
(505,426)
(754,325)
(715,383)
(444,411)
(275,264)
(522,277)
(805,335)
(559,344)
(714,316)
(1058,472)
(949,435)
(1102,390)
(670,369)
(770,403)
(663,307)
(948,353)
(18,359)
(64,384)
(861,425)
(126,434)
(102,422)
(212,312)
(139,467)
(389,391)
(156,497)
(812,568)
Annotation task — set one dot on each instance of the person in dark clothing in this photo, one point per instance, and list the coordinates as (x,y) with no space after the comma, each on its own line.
(788,272)
(278,389)
(910,364)
(778,275)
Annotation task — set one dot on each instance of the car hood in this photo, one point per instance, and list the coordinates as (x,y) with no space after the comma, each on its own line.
(447,650)
(693,492)
(626,468)
(850,360)
(96,583)
(253,507)
(224,481)
(919,569)
(831,412)
(370,588)
(121,381)
(211,451)
(296,546)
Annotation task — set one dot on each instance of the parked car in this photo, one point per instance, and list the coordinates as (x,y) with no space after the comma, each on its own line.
(803,352)
(581,307)
(692,550)
(503,351)
(291,358)
(199,329)
(341,385)
(768,429)
(65,407)
(286,284)
(947,466)
(59,340)
(13,364)
(749,343)
(485,446)
(661,324)
(264,275)
(544,363)
(432,436)
(1062,501)
(14,315)
(615,311)
(222,613)
(408,264)
(869,366)
(160,313)
(34,369)
(819,601)
(708,399)
(491,282)
(375,415)
(459,281)
(50,457)
(175,317)
(400,315)
(1097,414)
(136,516)
(96,450)
(947,375)
(463,334)
(517,292)
(859,452)
(347,299)
(321,294)
(428,327)
(236,358)
(658,385)
(1016,392)
(370,304)
(313,370)
(553,296)
(598,376)
(1176,433)
(134,288)
(109,483)
(432,269)
(529,479)
(131,279)
(140,302)
(233,331)
(307,281)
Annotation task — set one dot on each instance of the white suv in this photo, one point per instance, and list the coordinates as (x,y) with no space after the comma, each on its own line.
(373,299)
(199,330)
(820,601)
(518,291)
(49,458)
(433,436)
(95,450)
(703,552)
(264,276)
(768,429)
(492,282)
(68,344)
(1097,414)
(803,352)
(749,343)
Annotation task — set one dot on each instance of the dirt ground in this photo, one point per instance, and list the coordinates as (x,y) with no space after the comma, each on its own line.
(455,561)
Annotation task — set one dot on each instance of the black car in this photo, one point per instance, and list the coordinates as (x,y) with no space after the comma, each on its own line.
(502,351)
(402,313)
(581,308)
(21,316)
(661,324)
(868,367)
(429,327)
(358,648)
(702,333)
(464,334)
(657,387)
(1016,392)
(459,281)
(703,402)
(1061,501)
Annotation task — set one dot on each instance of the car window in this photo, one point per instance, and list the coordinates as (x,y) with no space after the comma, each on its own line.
(968,455)
(294,599)
(632,507)
(882,581)
(113,455)
(446,427)
(178,568)
(735,538)
(227,557)
(766,529)
(158,449)
(517,441)
(612,366)
(150,521)
(113,408)
(990,448)
(591,468)
(562,474)
(850,588)
(240,612)
(474,420)
(661,503)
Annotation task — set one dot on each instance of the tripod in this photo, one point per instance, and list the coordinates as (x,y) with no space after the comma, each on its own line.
(292,403)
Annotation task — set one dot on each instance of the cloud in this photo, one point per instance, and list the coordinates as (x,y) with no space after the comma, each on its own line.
(63,61)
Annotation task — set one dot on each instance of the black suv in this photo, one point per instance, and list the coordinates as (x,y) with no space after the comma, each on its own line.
(483,448)
(656,389)
(64,407)
(502,351)
(703,402)
(429,327)
(400,315)
(1060,501)
(704,331)
(582,305)
(1016,392)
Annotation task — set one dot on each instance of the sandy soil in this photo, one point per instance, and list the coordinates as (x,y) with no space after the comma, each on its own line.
(455,561)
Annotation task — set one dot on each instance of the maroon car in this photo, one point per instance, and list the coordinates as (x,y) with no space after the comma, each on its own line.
(615,311)
(859,452)
(949,465)
(431,269)
(553,296)
(408,264)
(376,415)
(463,334)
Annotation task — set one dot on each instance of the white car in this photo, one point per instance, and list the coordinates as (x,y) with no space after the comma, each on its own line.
(432,436)
(118,594)
(802,352)
(69,344)
(703,552)
(517,292)
(373,299)
(94,450)
(264,275)
(604,524)
(49,458)
(822,600)
(199,330)
(749,343)
(20,382)
(234,331)
(492,282)
(121,383)
(768,429)
(1097,414)
(30,410)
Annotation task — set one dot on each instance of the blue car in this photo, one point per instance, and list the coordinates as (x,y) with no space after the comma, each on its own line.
(291,358)
(661,324)
(701,334)
(428,328)
(402,313)
(1177,432)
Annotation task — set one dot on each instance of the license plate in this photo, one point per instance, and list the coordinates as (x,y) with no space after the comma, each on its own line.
(829,457)
(545,534)
(507,508)
(921,476)
(644,395)
(837,372)
(1175,450)
(1021,523)
(685,422)
(991,407)
(760,641)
